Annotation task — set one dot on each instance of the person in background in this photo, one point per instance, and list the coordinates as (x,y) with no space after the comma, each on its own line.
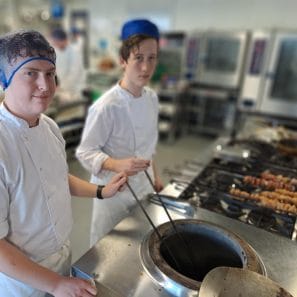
(121,130)
(35,186)
(70,68)
(77,40)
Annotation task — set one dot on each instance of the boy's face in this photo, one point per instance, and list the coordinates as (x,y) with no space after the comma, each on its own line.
(141,64)
(31,90)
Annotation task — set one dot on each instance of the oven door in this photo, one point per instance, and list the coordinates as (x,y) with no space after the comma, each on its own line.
(191,55)
(223,59)
(280,88)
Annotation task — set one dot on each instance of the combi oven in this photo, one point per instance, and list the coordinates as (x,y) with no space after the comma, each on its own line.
(269,84)
(216,58)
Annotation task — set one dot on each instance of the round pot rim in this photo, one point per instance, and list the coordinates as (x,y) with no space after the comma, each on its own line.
(150,248)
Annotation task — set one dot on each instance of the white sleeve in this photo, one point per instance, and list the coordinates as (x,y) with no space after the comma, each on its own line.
(4,206)
(96,132)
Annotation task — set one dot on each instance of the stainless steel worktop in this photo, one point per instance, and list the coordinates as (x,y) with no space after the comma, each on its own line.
(116,263)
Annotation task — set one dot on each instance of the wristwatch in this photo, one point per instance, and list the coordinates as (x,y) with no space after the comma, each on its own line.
(99,192)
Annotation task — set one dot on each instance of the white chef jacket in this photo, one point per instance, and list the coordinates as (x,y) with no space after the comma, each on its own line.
(70,71)
(119,126)
(35,200)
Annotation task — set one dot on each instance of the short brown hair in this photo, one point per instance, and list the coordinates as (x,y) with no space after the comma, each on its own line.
(131,43)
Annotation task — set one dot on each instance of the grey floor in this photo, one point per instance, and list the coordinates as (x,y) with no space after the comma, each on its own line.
(169,156)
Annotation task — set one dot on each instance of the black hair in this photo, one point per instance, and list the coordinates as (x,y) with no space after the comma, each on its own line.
(59,34)
(24,43)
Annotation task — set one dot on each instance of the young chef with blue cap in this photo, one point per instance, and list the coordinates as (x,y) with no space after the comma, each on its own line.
(35,186)
(121,129)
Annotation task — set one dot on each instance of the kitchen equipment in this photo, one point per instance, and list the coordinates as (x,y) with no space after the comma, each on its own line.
(170,57)
(236,282)
(211,246)
(185,243)
(160,238)
(269,77)
(216,58)
(288,146)
(102,290)
(254,72)
(279,89)
(229,187)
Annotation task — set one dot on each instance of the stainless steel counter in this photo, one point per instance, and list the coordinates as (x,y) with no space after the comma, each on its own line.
(116,262)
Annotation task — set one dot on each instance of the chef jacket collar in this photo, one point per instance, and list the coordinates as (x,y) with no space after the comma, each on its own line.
(129,95)
(19,122)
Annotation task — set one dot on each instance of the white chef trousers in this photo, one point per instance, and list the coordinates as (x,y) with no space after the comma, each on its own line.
(59,262)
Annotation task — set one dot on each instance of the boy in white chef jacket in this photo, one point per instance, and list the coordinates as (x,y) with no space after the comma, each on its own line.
(71,72)
(121,130)
(35,186)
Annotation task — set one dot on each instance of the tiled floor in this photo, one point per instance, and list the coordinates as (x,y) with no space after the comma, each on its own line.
(169,155)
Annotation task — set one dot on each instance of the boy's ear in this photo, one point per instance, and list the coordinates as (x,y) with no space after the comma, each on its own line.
(3,81)
(122,62)
(56,80)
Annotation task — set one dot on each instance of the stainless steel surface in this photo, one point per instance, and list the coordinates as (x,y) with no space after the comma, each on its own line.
(103,291)
(279,91)
(236,282)
(115,259)
(254,76)
(216,58)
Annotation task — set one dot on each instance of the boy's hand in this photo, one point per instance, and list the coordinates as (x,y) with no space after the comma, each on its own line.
(130,165)
(158,185)
(117,183)
(74,287)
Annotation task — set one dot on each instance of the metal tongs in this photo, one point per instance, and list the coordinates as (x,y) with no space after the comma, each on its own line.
(182,239)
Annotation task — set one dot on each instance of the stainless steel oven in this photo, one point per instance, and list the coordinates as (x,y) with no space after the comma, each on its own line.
(191,55)
(170,58)
(216,58)
(280,87)
(253,76)
(269,84)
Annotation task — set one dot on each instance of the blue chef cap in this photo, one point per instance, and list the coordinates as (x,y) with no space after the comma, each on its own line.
(140,26)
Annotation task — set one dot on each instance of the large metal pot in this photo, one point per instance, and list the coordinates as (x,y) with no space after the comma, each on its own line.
(179,262)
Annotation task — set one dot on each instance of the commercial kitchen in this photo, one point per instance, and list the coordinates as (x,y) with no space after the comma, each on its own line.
(227,150)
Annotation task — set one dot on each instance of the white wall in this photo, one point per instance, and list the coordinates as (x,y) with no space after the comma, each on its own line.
(190,14)
(246,14)
(107,16)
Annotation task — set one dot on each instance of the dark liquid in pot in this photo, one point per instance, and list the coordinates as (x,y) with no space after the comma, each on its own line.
(197,254)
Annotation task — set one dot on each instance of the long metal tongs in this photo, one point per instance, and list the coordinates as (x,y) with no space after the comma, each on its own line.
(153,225)
(182,239)
(170,219)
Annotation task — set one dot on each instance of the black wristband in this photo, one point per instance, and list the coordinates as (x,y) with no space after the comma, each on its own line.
(99,192)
